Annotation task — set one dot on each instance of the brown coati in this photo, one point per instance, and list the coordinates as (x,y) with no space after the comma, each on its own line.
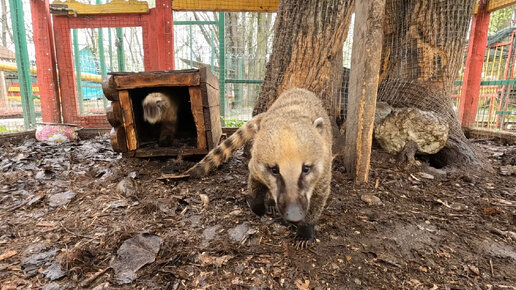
(160,107)
(290,162)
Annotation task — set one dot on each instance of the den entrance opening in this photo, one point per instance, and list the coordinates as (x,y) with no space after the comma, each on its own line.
(149,134)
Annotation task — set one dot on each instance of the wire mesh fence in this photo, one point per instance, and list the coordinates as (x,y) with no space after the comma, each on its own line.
(96,53)
(239,45)
(17,114)
(496,107)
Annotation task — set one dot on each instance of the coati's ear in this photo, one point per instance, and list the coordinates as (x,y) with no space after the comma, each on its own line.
(319,124)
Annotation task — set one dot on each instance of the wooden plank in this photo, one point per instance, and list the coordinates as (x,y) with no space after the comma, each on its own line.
(210,95)
(505,137)
(363,86)
(234,6)
(109,88)
(157,79)
(128,120)
(118,139)
(167,151)
(493,5)
(16,138)
(213,126)
(211,99)
(113,7)
(197,112)
(3,90)
(209,78)
(90,133)
(114,114)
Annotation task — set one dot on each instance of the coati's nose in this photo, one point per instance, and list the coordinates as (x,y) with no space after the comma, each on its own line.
(294,213)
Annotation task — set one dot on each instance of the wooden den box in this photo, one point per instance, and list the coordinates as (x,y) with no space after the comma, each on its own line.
(199,127)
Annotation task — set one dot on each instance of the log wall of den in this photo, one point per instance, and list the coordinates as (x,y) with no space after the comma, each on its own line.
(199,86)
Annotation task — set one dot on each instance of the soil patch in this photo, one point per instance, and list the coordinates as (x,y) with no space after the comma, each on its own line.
(419,229)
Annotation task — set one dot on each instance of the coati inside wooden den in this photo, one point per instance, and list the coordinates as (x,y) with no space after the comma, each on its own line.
(195,92)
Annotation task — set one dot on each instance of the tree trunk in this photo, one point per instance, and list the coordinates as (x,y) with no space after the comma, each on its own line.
(423,50)
(6,31)
(264,23)
(307,50)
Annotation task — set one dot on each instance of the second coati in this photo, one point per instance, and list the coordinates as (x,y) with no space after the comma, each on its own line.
(291,159)
(160,107)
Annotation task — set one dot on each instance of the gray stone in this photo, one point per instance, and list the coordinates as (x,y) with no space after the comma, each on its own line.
(54,272)
(32,263)
(60,199)
(240,232)
(53,286)
(428,130)
(371,199)
(382,111)
(135,253)
(426,175)
(209,234)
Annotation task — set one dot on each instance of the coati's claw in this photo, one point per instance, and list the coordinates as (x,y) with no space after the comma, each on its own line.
(305,236)
(272,210)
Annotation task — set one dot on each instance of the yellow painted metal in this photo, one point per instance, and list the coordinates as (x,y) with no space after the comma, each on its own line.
(17,89)
(499,71)
(13,67)
(226,5)
(18,99)
(485,67)
(84,76)
(494,5)
(112,7)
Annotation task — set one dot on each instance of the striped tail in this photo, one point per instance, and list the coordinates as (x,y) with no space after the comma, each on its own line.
(221,153)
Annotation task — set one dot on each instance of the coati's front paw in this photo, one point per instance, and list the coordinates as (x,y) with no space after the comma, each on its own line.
(165,141)
(257,205)
(305,236)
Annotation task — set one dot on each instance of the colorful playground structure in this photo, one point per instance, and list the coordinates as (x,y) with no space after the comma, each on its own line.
(65,84)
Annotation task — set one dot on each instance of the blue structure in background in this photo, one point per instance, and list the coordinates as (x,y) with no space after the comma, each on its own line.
(90,64)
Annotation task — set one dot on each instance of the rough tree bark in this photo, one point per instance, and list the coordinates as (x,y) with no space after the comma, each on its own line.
(423,50)
(6,31)
(307,50)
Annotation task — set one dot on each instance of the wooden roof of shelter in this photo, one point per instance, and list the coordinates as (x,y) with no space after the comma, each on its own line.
(6,54)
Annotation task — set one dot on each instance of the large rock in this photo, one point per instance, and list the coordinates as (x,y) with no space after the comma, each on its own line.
(426,129)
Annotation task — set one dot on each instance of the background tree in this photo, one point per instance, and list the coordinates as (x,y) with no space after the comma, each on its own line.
(423,50)
(307,50)
(502,18)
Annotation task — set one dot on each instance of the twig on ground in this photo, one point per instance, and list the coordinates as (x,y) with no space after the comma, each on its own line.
(77,235)
(93,277)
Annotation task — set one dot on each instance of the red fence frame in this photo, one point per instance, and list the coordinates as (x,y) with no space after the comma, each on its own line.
(158,48)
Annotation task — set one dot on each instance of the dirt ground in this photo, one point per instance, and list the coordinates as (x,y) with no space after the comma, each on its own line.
(65,215)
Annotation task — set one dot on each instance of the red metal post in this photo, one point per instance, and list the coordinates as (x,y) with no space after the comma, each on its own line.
(45,61)
(66,71)
(474,64)
(158,37)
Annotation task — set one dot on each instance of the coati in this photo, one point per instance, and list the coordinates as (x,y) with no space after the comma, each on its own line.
(291,159)
(160,107)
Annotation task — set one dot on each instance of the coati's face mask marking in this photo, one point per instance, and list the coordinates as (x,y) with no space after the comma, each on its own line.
(290,167)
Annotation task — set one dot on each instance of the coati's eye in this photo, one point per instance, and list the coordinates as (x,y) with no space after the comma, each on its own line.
(306,169)
(274,170)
